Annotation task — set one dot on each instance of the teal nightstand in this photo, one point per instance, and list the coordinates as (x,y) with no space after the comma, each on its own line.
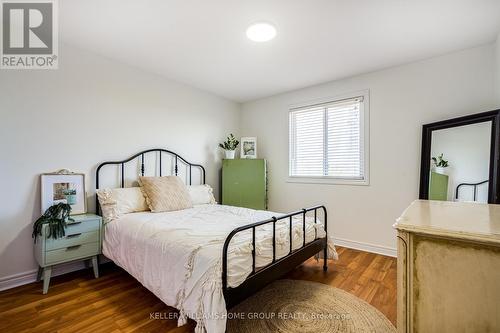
(82,241)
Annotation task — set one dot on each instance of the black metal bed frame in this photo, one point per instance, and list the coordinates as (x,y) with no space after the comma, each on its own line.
(258,278)
(142,168)
(278,267)
(474,185)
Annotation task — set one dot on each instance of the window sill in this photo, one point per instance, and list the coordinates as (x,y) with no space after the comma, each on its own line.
(328,181)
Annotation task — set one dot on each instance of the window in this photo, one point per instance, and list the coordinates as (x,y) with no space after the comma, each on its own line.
(328,141)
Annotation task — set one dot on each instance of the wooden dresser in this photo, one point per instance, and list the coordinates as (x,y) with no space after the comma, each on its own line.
(449,267)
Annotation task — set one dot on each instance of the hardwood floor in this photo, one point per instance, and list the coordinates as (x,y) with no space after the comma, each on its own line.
(116,302)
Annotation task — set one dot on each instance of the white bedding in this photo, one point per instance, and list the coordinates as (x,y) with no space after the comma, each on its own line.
(178,255)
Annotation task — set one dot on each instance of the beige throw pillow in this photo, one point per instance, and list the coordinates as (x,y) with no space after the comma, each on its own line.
(165,194)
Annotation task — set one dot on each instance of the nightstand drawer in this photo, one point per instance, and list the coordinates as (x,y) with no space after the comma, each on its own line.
(71,253)
(82,226)
(72,239)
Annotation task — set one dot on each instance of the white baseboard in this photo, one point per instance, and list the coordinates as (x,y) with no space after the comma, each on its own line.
(20,279)
(384,250)
(17,280)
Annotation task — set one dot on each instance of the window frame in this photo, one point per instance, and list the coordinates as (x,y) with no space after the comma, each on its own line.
(365,141)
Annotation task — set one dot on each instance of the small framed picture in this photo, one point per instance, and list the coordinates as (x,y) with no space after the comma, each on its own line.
(248,147)
(66,187)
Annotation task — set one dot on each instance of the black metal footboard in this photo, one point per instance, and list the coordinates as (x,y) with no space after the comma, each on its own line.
(278,267)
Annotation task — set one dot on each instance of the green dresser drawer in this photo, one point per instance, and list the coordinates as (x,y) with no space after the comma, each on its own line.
(71,253)
(72,239)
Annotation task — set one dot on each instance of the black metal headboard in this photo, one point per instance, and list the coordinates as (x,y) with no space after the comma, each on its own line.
(474,185)
(176,160)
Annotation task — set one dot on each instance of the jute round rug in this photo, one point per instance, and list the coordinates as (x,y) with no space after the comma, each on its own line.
(293,306)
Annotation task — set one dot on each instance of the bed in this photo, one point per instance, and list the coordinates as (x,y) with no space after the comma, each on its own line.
(206,259)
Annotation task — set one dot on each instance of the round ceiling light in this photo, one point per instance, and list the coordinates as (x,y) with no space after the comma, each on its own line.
(261,32)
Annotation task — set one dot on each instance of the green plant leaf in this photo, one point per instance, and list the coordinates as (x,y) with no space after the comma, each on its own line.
(56,217)
(230,144)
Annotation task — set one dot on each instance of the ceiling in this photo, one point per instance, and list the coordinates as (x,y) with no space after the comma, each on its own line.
(203,43)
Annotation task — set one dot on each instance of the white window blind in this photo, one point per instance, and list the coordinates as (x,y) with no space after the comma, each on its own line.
(327,140)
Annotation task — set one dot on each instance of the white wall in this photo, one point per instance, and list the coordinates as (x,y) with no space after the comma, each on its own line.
(401,100)
(94,109)
(467,148)
(89,110)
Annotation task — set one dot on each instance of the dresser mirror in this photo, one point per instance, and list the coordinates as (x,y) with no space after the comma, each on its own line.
(459,159)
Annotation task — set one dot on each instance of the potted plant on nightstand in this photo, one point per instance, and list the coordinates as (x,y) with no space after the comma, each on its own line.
(440,164)
(229,146)
(56,217)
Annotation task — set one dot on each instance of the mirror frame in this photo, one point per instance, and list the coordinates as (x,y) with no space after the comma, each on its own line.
(425,164)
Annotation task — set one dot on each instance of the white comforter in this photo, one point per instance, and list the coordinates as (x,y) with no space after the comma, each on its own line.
(178,255)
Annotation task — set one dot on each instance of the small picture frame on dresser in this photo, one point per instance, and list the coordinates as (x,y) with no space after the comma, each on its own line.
(66,187)
(248,147)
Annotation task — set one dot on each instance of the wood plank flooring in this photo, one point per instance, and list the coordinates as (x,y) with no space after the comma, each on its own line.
(117,303)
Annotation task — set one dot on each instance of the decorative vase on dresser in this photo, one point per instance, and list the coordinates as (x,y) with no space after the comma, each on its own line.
(82,241)
(448,267)
(244,183)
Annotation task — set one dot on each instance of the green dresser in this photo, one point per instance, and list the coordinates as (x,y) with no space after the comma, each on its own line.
(438,186)
(244,183)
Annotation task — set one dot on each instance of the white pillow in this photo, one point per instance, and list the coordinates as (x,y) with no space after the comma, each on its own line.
(201,194)
(118,201)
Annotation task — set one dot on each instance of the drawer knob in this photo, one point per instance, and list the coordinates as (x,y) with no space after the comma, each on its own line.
(74,235)
(74,247)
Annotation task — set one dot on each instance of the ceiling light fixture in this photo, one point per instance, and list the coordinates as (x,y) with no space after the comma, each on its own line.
(261,32)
